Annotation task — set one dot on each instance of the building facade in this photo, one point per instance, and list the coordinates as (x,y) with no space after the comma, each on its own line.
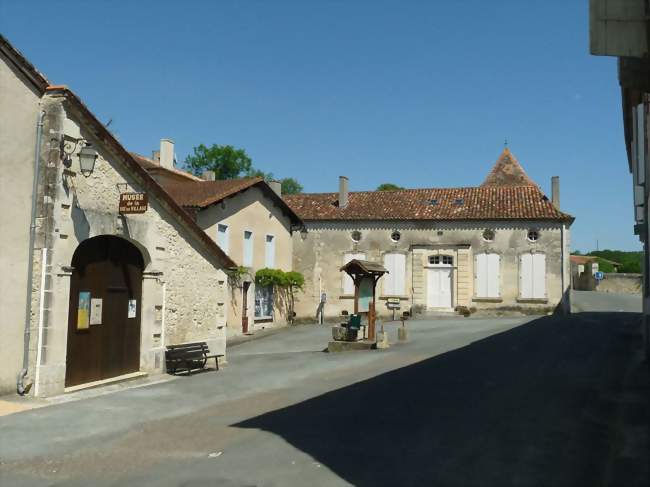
(250,222)
(620,28)
(104,288)
(502,245)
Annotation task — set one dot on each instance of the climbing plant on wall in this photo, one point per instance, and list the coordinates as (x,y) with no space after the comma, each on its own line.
(287,283)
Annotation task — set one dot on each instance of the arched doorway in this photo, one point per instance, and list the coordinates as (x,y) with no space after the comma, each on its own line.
(105,308)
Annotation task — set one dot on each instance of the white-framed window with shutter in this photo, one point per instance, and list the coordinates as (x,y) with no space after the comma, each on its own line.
(223,237)
(487,275)
(394,283)
(347,285)
(248,248)
(532,276)
(269,252)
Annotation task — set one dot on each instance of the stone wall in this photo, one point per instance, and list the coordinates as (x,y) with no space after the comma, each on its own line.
(184,290)
(320,254)
(621,283)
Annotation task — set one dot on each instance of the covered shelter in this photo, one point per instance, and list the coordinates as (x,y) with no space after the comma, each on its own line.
(365,275)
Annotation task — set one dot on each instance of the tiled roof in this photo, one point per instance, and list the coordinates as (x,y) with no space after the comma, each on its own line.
(507,172)
(477,203)
(200,194)
(153,166)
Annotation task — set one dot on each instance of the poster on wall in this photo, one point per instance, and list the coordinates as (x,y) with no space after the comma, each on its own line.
(365,294)
(96,311)
(132,308)
(83,310)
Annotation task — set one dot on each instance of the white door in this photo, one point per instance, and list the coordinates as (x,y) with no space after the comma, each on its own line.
(439,287)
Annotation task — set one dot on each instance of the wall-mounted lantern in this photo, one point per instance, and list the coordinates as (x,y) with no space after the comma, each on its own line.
(87,154)
(87,157)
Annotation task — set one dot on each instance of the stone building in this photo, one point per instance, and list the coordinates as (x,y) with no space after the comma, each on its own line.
(249,221)
(503,245)
(91,290)
(620,28)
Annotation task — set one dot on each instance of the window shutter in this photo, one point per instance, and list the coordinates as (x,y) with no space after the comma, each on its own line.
(348,284)
(539,275)
(399,277)
(481,275)
(526,276)
(492,275)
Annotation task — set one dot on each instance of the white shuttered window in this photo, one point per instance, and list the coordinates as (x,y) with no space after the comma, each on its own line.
(487,275)
(532,276)
(248,248)
(394,281)
(348,284)
(269,252)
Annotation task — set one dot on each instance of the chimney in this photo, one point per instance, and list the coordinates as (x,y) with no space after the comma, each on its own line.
(208,176)
(343,191)
(555,191)
(167,153)
(276,186)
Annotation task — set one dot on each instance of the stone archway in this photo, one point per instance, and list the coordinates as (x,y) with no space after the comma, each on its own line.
(104,310)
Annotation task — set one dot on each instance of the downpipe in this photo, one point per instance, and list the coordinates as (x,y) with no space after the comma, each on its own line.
(21,388)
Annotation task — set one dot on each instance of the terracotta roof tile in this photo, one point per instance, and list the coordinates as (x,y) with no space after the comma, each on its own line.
(475,203)
(508,172)
(201,194)
(205,193)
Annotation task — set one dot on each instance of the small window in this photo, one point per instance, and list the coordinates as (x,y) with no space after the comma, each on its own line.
(459,201)
(356,236)
(395,236)
(533,235)
(488,235)
(433,202)
(439,233)
(434,259)
(447,259)
(222,237)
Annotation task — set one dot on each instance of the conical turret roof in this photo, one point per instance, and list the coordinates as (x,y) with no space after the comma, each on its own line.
(507,172)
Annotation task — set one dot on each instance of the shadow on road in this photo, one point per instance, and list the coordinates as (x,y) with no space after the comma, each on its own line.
(536,405)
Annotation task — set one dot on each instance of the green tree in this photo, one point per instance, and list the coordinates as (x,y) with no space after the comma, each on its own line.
(226,161)
(291,186)
(388,187)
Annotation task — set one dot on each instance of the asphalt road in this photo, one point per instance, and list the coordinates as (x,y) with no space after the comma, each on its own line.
(516,401)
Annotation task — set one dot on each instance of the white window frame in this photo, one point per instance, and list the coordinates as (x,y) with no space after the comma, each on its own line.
(347,285)
(225,244)
(269,257)
(394,283)
(248,249)
(495,280)
(534,284)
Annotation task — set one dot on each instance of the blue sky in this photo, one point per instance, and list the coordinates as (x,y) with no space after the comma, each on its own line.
(418,93)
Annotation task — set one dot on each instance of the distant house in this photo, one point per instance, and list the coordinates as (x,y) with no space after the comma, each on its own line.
(503,244)
(249,221)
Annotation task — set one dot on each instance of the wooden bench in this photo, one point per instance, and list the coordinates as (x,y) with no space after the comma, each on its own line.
(189,356)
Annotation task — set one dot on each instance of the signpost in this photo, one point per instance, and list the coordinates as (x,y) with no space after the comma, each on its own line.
(393,304)
(599,276)
(133,203)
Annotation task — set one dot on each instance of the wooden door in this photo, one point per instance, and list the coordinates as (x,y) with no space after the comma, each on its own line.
(105,344)
(244,313)
(439,287)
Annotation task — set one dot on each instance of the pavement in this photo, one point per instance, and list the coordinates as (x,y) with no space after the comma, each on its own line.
(465,401)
